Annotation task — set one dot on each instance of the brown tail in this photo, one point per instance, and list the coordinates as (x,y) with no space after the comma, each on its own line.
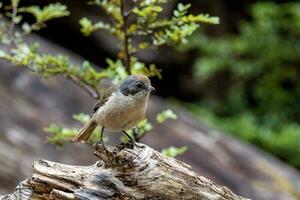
(86,132)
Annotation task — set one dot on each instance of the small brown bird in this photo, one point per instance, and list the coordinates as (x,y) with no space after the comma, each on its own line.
(120,108)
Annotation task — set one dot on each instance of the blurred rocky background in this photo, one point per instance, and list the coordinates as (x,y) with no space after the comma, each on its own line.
(239,77)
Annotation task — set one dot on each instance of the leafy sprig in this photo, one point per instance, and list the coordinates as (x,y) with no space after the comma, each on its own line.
(137,26)
(62,135)
(42,15)
(174,151)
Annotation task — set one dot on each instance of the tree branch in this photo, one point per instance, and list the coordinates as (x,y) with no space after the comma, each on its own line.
(90,90)
(126,50)
(94,93)
(121,173)
(12,23)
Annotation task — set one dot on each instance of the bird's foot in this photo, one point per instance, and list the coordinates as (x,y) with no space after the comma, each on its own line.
(137,144)
(103,146)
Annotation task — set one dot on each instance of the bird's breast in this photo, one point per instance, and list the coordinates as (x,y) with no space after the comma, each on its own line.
(121,113)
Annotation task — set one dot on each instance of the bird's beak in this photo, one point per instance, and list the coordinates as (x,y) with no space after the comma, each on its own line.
(151,89)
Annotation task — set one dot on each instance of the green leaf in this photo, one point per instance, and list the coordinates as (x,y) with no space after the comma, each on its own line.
(86,26)
(2,54)
(147,11)
(165,115)
(204,18)
(144,45)
(174,151)
(60,135)
(180,7)
(26,28)
(116,70)
(82,117)
(144,126)
(51,11)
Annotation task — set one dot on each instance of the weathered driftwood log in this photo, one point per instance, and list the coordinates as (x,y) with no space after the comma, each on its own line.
(121,173)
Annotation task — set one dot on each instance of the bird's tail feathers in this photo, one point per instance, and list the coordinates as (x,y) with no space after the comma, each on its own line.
(86,132)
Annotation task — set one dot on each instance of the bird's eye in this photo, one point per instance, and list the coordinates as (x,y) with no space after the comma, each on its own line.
(139,85)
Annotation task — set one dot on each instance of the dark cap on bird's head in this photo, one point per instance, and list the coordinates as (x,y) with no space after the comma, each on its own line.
(136,83)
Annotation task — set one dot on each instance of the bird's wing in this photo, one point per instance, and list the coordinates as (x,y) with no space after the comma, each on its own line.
(103,99)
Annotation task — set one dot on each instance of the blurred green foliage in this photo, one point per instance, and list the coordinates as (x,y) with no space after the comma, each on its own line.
(174,151)
(42,15)
(165,115)
(258,96)
(62,135)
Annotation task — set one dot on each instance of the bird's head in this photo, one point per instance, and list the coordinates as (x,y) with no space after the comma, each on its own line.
(138,86)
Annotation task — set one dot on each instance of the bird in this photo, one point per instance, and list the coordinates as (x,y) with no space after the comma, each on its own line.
(120,108)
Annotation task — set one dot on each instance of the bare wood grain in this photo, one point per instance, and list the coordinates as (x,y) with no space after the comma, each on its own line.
(121,173)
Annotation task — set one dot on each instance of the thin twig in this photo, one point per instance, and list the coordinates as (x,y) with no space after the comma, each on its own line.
(90,90)
(12,24)
(94,93)
(135,135)
(80,83)
(127,60)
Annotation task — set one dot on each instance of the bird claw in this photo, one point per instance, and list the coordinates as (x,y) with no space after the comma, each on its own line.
(103,145)
(137,145)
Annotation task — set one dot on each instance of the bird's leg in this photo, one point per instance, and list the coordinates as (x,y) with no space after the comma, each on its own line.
(130,139)
(135,135)
(101,138)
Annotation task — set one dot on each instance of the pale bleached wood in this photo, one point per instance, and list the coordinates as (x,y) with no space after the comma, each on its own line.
(122,172)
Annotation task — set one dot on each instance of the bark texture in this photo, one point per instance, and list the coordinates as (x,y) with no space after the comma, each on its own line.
(121,173)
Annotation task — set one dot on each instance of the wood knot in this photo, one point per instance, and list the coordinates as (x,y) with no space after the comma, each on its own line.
(43,163)
(99,164)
